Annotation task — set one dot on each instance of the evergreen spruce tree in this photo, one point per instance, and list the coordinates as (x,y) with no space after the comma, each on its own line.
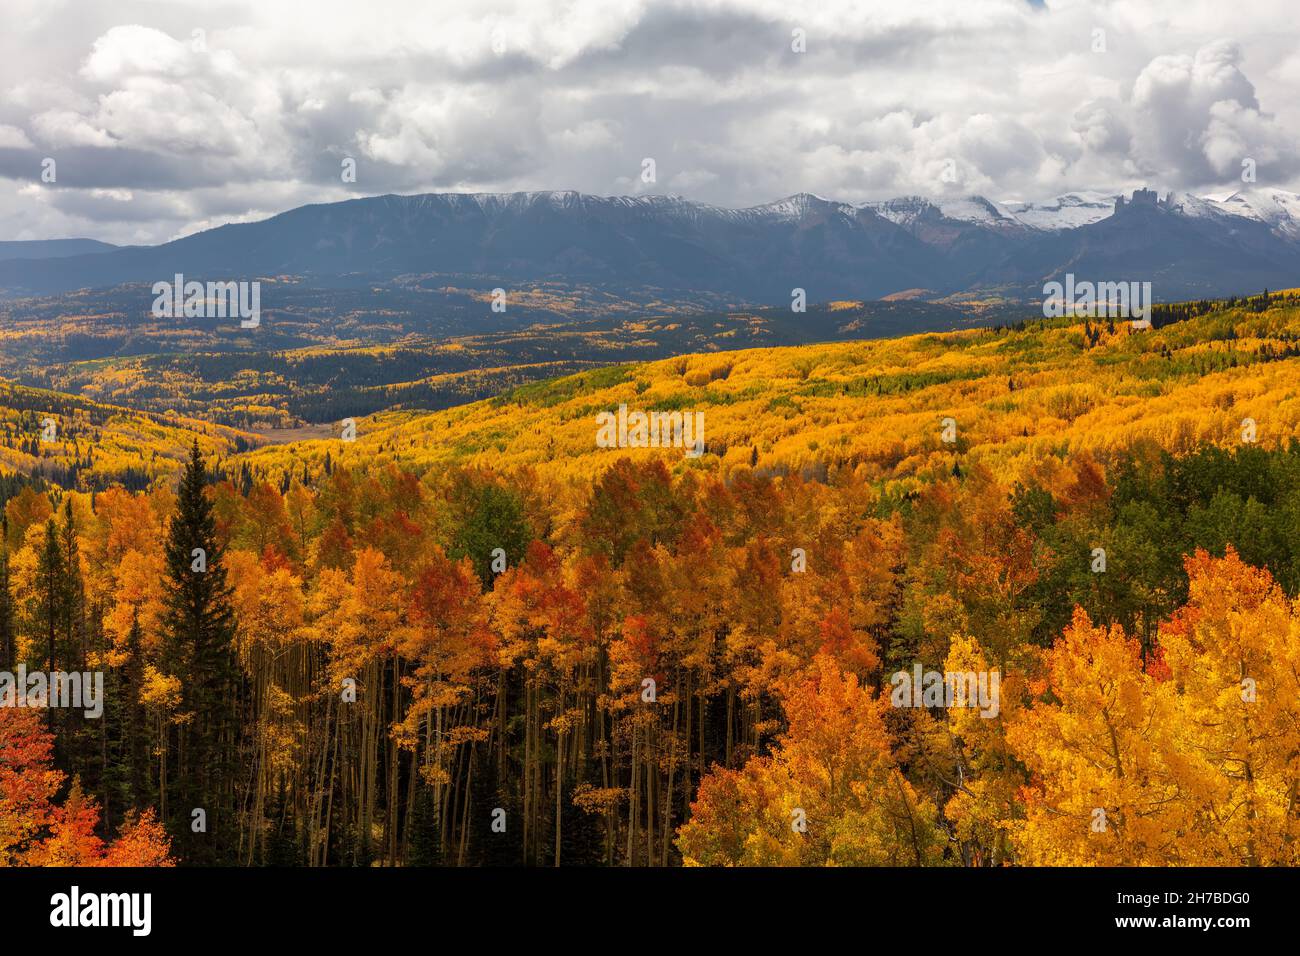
(424,847)
(356,849)
(115,793)
(50,590)
(136,733)
(74,591)
(488,847)
(198,625)
(82,738)
(8,637)
(282,844)
(584,837)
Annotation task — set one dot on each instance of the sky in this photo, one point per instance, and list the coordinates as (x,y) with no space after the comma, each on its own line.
(165,118)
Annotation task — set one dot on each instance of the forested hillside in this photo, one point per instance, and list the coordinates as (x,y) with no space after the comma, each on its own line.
(325,354)
(76,443)
(1016,395)
(476,637)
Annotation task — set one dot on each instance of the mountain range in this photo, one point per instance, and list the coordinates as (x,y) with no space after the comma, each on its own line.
(52,248)
(1186,246)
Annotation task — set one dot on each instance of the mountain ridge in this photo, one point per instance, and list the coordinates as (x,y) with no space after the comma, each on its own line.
(1189,246)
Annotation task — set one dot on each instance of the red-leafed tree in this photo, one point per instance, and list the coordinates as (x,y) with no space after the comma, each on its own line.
(36,831)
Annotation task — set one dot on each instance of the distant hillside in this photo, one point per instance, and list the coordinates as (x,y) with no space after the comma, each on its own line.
(52,248)
(90,445)
(324,355)
(1015,395)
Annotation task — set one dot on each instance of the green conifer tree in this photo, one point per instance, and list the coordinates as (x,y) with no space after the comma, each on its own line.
(199,626)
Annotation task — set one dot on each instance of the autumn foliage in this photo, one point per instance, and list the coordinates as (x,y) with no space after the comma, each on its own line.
(37,829)
(417,652)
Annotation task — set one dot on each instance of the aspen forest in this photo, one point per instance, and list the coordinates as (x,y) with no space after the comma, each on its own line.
(473,638)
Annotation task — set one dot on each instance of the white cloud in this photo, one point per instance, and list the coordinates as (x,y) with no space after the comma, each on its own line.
(1191,111)
(574,93)
(133,50)
(68,128)
(11,137)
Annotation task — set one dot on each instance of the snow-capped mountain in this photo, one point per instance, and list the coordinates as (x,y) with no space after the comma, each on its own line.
(1188,246)
(1276,207)
(1064,212)
(909,210)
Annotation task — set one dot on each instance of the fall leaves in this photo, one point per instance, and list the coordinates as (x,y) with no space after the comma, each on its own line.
(1193,759)
(830,794)
(37,831)
(1188,758)
(661,667)
(874,408)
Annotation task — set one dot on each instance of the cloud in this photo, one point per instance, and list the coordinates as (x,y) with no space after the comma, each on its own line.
(206,110)
(1197,118)
(134,50)
(11,137)
(60,128)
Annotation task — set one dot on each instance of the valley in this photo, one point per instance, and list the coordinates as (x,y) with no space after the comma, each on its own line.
(322,355)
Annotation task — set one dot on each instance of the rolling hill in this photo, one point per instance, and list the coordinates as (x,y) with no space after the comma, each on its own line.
(319,356)
(87,445)
(1017,396)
